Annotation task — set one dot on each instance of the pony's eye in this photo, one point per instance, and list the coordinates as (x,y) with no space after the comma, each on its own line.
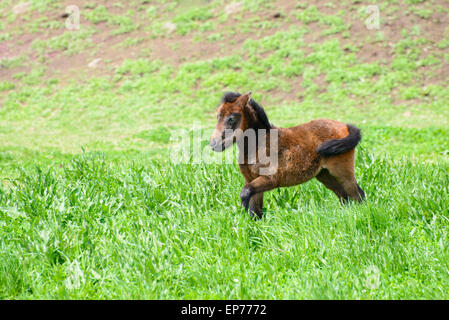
(230,121)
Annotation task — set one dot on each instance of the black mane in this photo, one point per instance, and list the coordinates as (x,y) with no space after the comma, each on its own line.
(262,118)
(230,97)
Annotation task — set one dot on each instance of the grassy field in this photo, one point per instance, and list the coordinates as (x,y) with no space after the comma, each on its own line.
(92,207)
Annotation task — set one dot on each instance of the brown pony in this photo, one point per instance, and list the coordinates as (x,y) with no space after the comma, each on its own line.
(322,149)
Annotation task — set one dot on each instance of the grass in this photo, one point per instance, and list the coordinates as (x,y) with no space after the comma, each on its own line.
(92,207)
(151,229)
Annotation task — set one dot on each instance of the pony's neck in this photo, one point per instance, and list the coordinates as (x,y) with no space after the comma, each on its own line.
(255,123)
(251,142)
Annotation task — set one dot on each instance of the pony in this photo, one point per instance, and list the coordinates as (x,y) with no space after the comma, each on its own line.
(323,149)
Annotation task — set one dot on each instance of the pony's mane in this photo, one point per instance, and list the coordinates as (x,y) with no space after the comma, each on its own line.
(259,111)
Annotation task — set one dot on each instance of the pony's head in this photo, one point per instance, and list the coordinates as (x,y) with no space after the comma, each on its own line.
(236,114)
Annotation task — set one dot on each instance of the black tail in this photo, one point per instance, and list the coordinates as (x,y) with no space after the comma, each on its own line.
(338,146)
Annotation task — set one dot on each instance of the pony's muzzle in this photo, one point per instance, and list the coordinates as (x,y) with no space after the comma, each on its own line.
(217,145)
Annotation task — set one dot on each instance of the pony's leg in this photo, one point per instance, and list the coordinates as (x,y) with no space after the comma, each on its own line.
(341,167)
(256,205)
(332,184)
(258,185)
(352,188)
(361,192)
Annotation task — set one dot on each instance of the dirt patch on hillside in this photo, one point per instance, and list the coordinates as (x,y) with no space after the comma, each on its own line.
(110,50)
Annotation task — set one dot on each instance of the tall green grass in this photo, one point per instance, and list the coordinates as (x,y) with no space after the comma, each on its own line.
(99,229)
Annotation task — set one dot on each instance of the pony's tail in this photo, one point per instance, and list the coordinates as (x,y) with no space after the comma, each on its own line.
(338,146)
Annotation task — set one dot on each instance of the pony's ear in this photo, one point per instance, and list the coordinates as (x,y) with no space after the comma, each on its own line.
(244,99)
